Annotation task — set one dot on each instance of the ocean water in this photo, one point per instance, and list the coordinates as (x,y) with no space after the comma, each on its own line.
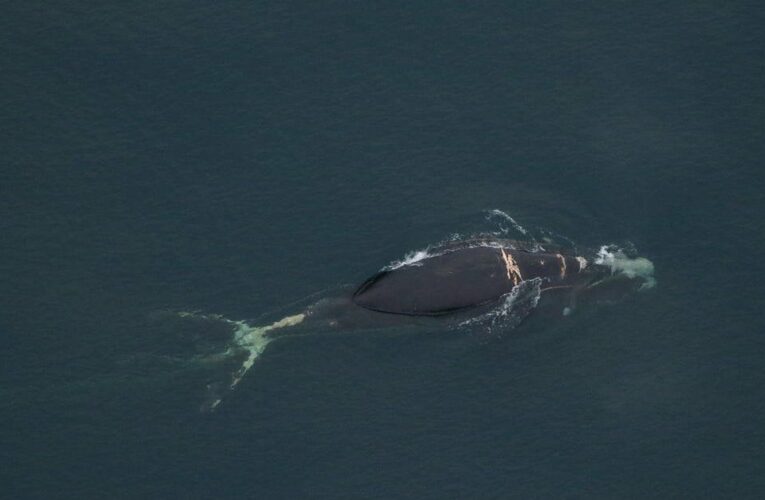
(236,158)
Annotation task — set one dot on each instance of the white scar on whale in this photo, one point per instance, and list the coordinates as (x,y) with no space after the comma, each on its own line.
(562,265)
(513,271)
(582,263)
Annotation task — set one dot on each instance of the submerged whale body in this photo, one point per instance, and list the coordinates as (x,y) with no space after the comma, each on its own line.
(470,276)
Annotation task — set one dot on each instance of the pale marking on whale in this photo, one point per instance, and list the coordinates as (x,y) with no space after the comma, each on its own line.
(582,263)
(513,271)
(562,265)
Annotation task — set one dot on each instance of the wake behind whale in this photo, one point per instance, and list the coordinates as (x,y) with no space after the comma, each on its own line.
(487,283)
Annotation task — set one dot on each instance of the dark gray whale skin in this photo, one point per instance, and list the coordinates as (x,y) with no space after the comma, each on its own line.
(465,277)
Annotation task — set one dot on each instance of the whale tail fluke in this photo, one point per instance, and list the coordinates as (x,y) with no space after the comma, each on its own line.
(236,354)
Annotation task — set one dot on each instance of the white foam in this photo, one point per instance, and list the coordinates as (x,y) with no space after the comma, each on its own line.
(411,259)
(511,309)
(638,267)
(416,257)
(508,218)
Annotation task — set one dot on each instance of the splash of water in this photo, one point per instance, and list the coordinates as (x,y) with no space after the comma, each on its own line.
(410,259)
(511,310)
(631,267)
(503,216)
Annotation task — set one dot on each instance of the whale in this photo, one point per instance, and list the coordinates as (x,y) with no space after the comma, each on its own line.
(456,280)
(462,279)
(466,277)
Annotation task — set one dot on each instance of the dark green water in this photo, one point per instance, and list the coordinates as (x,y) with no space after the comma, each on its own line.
(233,158)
